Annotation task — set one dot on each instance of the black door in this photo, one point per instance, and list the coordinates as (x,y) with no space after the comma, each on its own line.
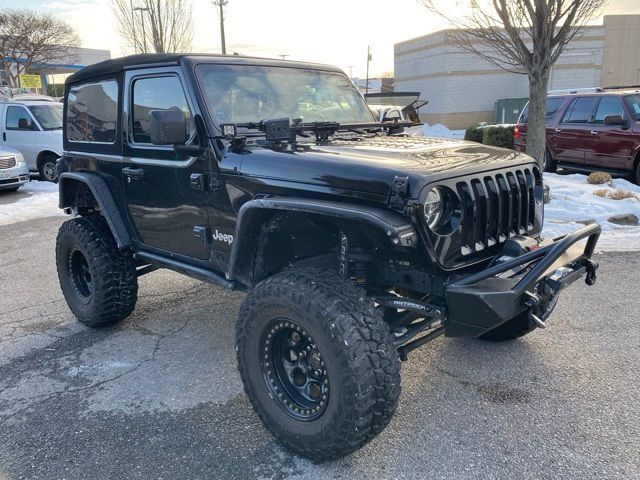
(167,212)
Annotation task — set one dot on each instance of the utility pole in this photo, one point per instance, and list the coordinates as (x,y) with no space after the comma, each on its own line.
(283,56)
(366,88)
(133,27)
(350,71)
(144,32)
(221,4)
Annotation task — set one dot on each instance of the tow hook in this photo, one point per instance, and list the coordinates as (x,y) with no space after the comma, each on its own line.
(591,266)
(532,302)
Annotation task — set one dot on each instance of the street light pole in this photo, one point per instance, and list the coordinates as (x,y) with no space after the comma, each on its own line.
(144,32)
(222,4)
(366,88)
(133,28)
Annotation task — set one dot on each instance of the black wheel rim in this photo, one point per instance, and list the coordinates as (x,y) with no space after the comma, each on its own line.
(80,274)
(49,170)
(293,370)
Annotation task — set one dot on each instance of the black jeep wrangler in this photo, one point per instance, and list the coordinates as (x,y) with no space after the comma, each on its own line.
(356,244)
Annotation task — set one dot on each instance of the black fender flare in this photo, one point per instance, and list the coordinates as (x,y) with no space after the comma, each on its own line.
(397,228)
(68,184)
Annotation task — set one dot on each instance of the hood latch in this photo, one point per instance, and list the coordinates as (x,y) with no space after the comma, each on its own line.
(399,193)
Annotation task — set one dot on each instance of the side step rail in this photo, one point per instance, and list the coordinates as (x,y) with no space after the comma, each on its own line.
(190,270)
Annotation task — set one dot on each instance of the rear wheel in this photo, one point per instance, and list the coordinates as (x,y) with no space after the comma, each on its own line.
(549,163)
(47,168)
(317,362)
(98,281)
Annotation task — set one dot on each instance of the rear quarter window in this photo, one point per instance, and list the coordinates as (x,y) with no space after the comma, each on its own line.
(92,112)
(553,107)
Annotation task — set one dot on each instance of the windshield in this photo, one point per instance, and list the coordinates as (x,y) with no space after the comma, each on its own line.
(48,116)
(243,94)
(633,101)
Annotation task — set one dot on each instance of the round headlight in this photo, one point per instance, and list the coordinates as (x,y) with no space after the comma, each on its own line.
(433,207)
(442,210)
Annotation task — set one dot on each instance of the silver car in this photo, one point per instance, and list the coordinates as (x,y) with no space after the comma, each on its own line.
(13,170)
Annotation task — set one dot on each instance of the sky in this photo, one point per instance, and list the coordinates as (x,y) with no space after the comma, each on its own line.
(336,32)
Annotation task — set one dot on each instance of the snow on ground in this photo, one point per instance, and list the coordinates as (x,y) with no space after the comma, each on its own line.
(441,131)
(36,199)
(573,202)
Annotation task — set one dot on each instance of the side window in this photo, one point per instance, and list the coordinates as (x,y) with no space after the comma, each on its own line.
(157,93)
(580,110)
(18,119)
(608,106)
(92,112)
(553,106)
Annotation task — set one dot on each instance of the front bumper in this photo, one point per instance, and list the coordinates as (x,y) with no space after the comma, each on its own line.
(485,300)
(13,177)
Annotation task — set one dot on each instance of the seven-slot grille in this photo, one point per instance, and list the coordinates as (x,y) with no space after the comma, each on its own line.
(496,207)
(7,162)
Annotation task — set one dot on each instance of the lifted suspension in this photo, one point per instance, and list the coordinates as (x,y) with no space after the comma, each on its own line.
(434,321)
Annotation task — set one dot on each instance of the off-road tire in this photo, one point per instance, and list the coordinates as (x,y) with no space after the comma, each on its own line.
(550,164)
(515,328)
(361,362)
(47,168)
(113,283)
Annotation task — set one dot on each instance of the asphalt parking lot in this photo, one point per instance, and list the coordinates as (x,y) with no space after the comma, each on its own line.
(159,395)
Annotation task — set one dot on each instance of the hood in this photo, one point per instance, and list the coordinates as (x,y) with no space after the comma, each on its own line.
(370,165)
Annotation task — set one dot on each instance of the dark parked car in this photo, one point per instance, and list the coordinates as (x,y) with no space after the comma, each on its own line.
(589,131)
(355,246)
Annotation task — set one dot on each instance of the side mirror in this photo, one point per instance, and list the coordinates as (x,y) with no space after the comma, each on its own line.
(612,120)
(392,115)
(167,127)
(24,124)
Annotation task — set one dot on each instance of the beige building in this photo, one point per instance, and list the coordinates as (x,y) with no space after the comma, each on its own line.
(462,88)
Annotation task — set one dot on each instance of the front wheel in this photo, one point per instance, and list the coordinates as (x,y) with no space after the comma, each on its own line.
(98,281)
(317,362)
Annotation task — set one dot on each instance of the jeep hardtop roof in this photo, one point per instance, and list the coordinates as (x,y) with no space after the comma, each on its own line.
(150,60)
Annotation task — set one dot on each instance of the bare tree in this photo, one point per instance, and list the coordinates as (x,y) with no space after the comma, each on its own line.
(521,36)
(159,26)
(29,40)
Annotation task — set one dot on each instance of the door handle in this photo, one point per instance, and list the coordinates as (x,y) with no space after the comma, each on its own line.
(135,173)
(4,136)
(558,130)
(594,132)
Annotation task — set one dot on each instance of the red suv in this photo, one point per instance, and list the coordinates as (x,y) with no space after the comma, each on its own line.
(596,130)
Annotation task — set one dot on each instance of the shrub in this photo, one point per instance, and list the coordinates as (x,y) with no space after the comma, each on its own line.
(498,136)
(615,194)
(473,134)
(599,178)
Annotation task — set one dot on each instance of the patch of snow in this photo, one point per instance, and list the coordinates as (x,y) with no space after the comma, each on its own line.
(440,131)
(41,200)
(573,202)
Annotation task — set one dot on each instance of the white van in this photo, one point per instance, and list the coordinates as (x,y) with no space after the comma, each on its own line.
(33,126)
